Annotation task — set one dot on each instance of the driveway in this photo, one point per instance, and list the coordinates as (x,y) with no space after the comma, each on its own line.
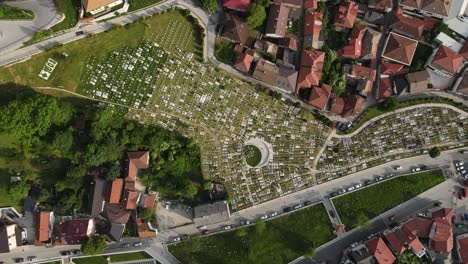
(14,32)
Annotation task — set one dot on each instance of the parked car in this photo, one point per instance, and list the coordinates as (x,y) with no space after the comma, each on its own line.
(460,168)
(460,163)
(19,260)
(176,239)
(263,217)
(415,169)
(184,237)
(307,203)
(351,188)
(297,206)
(287,209)
(368,182)
(65,253)
(341,191)
(354,244)
(462,172)
(378,178)
(357,186)
(398,167)
(227,227)
(273,214)
(32,258)
(76,252)
(79,33)
(333,194)
(125,245)
(202,227)
(137,244)
(422,214)
(332,214)
(466,216)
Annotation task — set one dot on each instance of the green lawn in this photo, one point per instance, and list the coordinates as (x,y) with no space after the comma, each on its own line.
(9,12)
(358,207)
(139,4)
(114,258)
(280,241)
(253,156)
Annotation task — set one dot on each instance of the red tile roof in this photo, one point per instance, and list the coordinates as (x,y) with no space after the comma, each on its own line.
(362,72)
(130,199)
(337,105)
(353,105)
(418,226)
(277,21)
(385,88)
(289,41)
(401,239)
(310,4)
(413,27)
(346,15)
(79,229)
(115,214)
(42,226)
(429,22)
(149,200)
(136,161)
(319,96)
(244,60)
(145,231)
(381,5)
(354,47)
(312,23)
(235,28)
(310,72)
(463,248)
(441,237)
(445,214)
(339,229)
(114,191)
(240,5)
(380,251)
(391,69)
(412,3)
(447,59)
(400,49)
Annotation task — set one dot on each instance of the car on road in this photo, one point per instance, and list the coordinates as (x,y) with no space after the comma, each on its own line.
(76,252)
(227,227)
(137,244)
(19,260)
(416,169)
(350,188)
(353,245)
(245,222)
(466,216)
(273,214)
(357,186)
(398,167)
(342,191)
(422,214)
(176,239)
(79,33)
(125,245)
(332,214)
(378,178)
(306,203)
(333,194)
(263,217)
(287,209)
(202,227)
(460,168)
(32,258)
(297,206)
(368,182)
(464,151)
(460,163)
(462,172)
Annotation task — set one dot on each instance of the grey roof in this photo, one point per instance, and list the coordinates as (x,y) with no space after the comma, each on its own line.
(96,197)
(116,231)
(287,77)
(207,214)
(418,81)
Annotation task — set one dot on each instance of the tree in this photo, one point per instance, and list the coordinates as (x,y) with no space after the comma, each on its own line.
(260,227)
(18,190)
(146,214)
(408,258)
(241,232)
(190,190)
(389,104)
(112,172)
(93,245)
(43,195)
(257,15)
(207,186)
(63,142)
(434,152)
(210,5)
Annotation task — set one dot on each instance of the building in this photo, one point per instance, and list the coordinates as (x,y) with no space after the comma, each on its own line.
(319,96)
(310,72)
(96,6)
(391,69)
(381,5)
(43,226)
(310,4)
(354,47)
(266,71)
(114,191)
(145,229)
(286,78)
(148,200)
(114,213)
(211,213)
(462,248)
(235,29)
(353,105)
(244,60)
(266,46)
(137,160)
(116,231)
(399,48)
(374,18)
(400,240)
(410,27)
(10,237)
(96,197)
(346,15)
(418,81)
(457,20)
(277,21)
(288,42)
(312,29)
(237,5)
(447,61)
(289,3)
(370,44)
(365,76)
(380,251)
(337,104)
(130,200)
(385,89)
(447,41)
(436,8)
(78,230)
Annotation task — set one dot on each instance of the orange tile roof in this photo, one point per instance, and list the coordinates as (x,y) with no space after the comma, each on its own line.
(346,15)
(310,4)
(380,250)
(145,231)
(239,5)
(354,48)
(244,60)
(310,72)
(312,23)
(412,3)
(353,105)
(401,239)
(130,199)
(413,27)
(392,69)
(319,96)
(385,88)
(42,226)
(400,49)
(337,105)
(136,161)
(447,59)
(277,20)
(90,5)
(418,226)
(362,72)
(381,4)
(441,237)
(149,200)
(115,191)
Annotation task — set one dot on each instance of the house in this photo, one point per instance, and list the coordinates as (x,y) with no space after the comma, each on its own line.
(312,28)
(114,191)
(411,4)
(266,71)
(137,160)
(96,6)
(116,231)
(235,29)
(436,8)
(319,96)
(462,248)
(288,42)
(447,61)
(447,41)
(244,60)
(353,105)
(362,72)
(410,27)
(310,4)
(148,200)
(399,48)
(457,20)
(391,69)
(237,5)
(385,89)
(96,197)
(43,226)
(79,229)
(289,3)
(346,15)
(10,237)
(374,18)
(380,251)
(130,200)
(286,78)
(337,105)
(370,44)
(277,21)
(115,213)
(381,5)
(310,72)
(418,81)
(400,239)
(266,46)
(354,47)
(145,230)
(461,84)
(361,255)
(211,213)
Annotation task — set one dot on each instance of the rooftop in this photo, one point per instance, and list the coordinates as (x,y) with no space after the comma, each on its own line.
(277,21)
(239,5)
(400,48)
(447,59)
(319,96)
(346,15)
(380,251)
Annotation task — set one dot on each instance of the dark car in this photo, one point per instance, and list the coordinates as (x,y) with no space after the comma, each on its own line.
(287,209)
(65,253)
(368,182)
(333,194)
(76,252)
(19,260)
(332,214)
(307,203)
(79,33)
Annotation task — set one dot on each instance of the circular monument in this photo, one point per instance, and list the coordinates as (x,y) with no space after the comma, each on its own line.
(257,153)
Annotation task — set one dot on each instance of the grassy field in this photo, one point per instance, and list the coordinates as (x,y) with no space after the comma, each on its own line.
(252,155)
(139,4)
(70,9)
(357,207)
(9,12)
(113,258)
(69,69)
(277,241)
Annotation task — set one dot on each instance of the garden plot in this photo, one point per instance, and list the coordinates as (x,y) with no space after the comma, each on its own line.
(397,136)
(125,76)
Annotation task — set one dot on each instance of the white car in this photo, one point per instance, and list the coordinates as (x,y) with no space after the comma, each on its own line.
(227,227)
(357,186)
(398,168)
(263,217)
(459,163)
(460,168)
(176,239)
(273,214)
(202,227)
(350,188)
(415,169)
(137,244)
(462,172)
(354,244)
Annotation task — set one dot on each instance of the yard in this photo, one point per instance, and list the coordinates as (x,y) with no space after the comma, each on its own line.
(113,258)
(276,241)
(357,208)
(8,12)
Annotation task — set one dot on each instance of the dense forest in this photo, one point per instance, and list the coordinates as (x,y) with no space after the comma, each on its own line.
(53,143)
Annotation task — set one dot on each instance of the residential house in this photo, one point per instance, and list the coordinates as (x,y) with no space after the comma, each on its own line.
(235,29)
(381,5)
(96,197)
(266,46)
(337,104)
(288,42)
(130,200)
(237,5)
(211,213)
(286,78)
(447,41)
(418,81)
(411,4)
(310,4)
(462,248)
(148,200)
(399,48)
(361,255)
(354,47)
(43,226)
(447,61)
(385,88)
(10,237)
(266,71)
(79,229)
(401,239)
(391,69)
(346,15)
(244,60)
(370,44)
(289,3)
(137,160)
(312,28)
(374,18)
(436,8)
(319,96)
(96,6)
(116,231)
(457,20)
(310,72)
(277,21)
(145,230)
(380,251)
(115,213)
(353,105)
(410,27)
(365,76)
(114,191)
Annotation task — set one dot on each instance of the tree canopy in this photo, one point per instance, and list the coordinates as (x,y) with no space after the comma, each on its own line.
(18,190)
(434,152)
(257,16)
(93,245)
(210,5)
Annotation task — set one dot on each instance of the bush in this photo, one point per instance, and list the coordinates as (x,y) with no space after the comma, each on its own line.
(18,190)
(257,16)
(93,245)
(434,152)
(224,52)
